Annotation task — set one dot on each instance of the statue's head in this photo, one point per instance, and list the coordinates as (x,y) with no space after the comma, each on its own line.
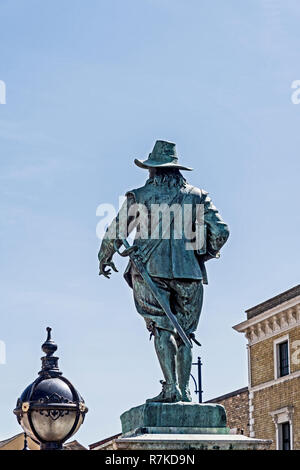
(166,176)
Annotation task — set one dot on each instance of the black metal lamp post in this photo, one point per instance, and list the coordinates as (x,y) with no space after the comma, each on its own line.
(50,410)
(198,386)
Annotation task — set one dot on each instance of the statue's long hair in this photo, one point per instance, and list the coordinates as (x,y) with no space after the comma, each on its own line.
(166,176)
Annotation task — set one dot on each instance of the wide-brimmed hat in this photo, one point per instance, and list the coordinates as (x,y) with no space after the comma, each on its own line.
(163,155)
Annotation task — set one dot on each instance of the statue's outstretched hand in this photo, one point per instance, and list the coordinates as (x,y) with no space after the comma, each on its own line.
(103,265)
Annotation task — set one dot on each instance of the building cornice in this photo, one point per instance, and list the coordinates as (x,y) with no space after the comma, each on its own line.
(273,302)
(271,322)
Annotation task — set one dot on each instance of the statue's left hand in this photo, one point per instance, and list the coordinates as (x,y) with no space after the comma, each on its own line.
(103,265)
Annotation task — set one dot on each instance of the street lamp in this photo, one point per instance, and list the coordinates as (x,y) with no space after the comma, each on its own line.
(50,410)
(198,386)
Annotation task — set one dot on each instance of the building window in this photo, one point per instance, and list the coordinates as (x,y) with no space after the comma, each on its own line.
(281,357)
(284,436)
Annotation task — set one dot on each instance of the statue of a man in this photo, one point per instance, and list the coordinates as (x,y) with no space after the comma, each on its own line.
(176,266)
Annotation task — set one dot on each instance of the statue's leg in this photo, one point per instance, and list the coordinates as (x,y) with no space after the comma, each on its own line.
(159,326)
(184,366)
(186,299)
(166,350)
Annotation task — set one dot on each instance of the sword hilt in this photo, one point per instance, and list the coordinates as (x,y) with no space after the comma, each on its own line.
(128,249)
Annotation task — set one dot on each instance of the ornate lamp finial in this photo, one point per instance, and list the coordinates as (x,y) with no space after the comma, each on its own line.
(49,347)
(49,362)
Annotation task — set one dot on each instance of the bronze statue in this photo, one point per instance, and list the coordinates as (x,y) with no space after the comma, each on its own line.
(166,269)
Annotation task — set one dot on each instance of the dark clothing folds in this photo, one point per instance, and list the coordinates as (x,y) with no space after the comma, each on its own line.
(185,297)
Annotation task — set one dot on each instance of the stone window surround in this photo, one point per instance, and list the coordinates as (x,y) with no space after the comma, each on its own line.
(283,415)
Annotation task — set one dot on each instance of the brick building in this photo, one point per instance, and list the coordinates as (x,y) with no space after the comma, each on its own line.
(237,410)
(272,330)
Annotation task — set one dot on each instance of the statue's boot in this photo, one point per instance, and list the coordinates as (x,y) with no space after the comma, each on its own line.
(170,394)
(186,394)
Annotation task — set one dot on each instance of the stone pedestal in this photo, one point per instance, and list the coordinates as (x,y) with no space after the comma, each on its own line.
(179,426)
(185,442)
(174,418)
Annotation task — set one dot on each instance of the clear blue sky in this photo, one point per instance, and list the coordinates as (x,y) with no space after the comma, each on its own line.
(90,86)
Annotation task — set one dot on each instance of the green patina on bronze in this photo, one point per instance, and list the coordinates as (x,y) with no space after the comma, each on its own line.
(177,274)
(175,418)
